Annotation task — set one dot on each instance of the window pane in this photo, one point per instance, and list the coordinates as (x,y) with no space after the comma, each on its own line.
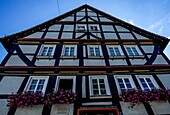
(128,86)
(72,51)
(94,80)
(50,51)
(141,80)
(103,91)
(111,51)
(91,51)
(127,80)
(122,86)
(66,51)
(97,51)
(44,51)
(135,51)
(40,87)
(129,51)
(95,92)
(117,51)
(32,87)
(120,80)
(148,79)
(151,85)
(65,84)
(41,81)
(34,81)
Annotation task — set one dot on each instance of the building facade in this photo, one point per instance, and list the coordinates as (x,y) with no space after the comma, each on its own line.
(90,53)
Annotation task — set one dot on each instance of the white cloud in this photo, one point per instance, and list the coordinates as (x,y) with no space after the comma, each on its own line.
(161,26)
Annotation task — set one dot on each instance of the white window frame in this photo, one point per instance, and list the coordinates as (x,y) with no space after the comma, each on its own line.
(66,77)
(41,50)
(94,46)
(147,76)
(37,78)
(63,51)
(137,49)
(122,77)
(105,82)
(81,30)
(115,46)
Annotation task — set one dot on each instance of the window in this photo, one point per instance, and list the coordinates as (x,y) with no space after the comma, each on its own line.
(69,50)
(47,50)
(94,50)
(114,50)
(81,27)
(99,86)
(124,82)
(37,84)
(147,82)
(66,83)
(133,51)
(93,28)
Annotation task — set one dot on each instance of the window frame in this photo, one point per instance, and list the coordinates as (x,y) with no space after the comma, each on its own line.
(94,46)
(41,50)
(104,77)
(147,76)
(116,56)
(64,48)
(26,89)
(137,49)
(95,26)
(66,77)
(81,30)
(124,76)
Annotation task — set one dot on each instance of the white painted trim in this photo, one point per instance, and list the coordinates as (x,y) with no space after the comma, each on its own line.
(124,76)
(66,77)
(98,46)
(147,76)
(37,77)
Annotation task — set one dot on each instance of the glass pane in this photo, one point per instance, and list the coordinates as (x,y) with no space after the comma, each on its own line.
(135,51)
(129,51)
(44,51)
(72,51)
(50,51)
(94,80)
(120,80)
(102,86)
(101,80)
(95,86)
(32,87)
(66,51)
(97,51)
(144,85)
(91,51)
(128,86)
(126,80)
(103,91)
(121,86)
(41,81)
(34,81)
(117,51)
(151,85)
(40,87)
(111,51)
(141,80)
(148,79)
(95,92)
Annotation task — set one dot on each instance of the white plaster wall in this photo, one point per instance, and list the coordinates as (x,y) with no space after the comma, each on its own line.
(45,62)
(160,108)
(10,84)
(69,62)
(148,48)
(84,51)
(160,60)
(62,109)
(137,61)
(3,107)
(29,57)
(126,36)
(15,60)
(165,79)
(51,35)
(35,35)
(34,110)
(117,62)
(94,62)
(139,36)
(28,48)
(136,110)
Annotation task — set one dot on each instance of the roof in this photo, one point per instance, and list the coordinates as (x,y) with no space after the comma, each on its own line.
(8,41)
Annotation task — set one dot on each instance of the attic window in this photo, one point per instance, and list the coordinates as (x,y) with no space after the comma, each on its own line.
(93,28)
(81,28)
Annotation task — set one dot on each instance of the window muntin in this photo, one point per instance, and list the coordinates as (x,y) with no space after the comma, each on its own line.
(66,83)
(47,50)
(124,82)
(133,51)
(69,50)
(99,86)
(147,82)
(94,50)
(36,84)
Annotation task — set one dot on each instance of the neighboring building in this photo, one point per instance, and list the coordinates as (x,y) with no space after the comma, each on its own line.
(91,53)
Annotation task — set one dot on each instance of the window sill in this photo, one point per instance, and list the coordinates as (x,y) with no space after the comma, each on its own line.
(117,57)
(95,56)
(44,57)
(137,57)
(68,56)
(100,96)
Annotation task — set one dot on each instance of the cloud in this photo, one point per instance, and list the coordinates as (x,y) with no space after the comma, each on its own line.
(161,26)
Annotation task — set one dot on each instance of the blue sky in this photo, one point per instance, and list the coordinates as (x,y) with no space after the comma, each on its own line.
(18,15)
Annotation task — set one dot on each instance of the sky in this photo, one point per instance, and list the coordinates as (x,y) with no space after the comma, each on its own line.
(19,15)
